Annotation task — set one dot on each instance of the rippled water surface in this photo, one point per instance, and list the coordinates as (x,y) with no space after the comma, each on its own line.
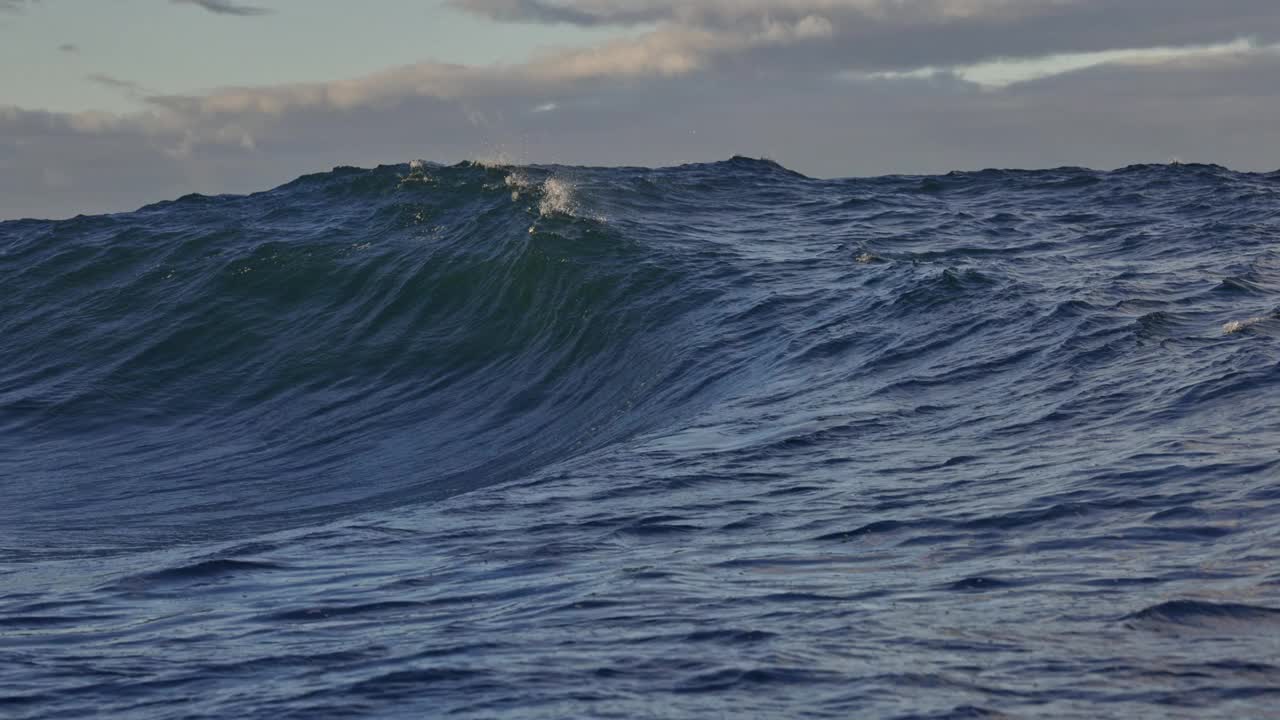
(715,440)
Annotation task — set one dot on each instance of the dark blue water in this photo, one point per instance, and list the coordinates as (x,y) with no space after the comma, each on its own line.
(710,441)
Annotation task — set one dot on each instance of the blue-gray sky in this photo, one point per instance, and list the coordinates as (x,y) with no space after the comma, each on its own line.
(170,48)
(106,105)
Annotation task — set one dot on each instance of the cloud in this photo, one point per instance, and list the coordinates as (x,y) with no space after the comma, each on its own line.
(116,83)
(129,89)
(665,54)
(224,7)
(539,11)
(69,48)
(907,34)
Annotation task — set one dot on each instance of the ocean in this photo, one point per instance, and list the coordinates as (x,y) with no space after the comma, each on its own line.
(717,440)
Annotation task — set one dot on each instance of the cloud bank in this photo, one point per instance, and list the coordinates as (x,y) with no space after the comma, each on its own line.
(827,87)
(903,34)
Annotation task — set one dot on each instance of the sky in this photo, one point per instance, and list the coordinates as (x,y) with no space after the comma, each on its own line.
(106,105)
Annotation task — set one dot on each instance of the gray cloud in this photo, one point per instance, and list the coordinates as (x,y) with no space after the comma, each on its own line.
(128,87)
(540,11)
(70,48)
(224,7)
(906,34)
(659,55)
(112,82)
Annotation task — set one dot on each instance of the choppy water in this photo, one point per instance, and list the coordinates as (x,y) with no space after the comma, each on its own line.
(710,441)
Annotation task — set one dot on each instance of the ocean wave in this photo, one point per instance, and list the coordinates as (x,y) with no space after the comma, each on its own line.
(494,439)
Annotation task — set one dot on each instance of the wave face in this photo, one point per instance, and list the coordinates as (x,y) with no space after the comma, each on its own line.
(721,438)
